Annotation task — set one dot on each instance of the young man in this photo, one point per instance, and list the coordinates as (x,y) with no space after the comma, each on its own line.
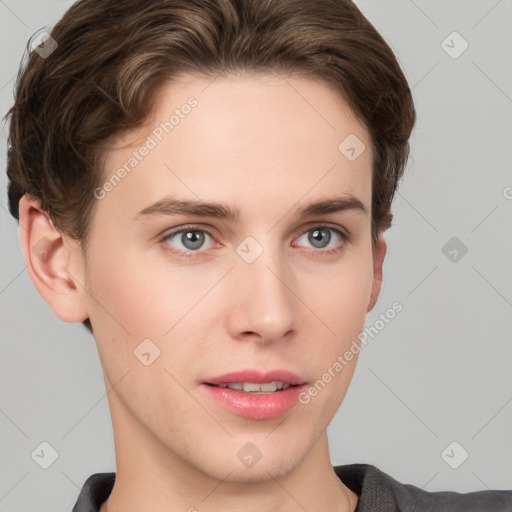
(205,185)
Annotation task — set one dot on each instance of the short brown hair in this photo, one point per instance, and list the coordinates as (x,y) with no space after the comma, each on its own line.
(113,54)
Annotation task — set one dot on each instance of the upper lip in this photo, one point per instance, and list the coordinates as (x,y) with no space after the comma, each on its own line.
(256,376)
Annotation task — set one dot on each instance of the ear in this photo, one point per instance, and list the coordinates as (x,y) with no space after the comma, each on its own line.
(379,253)
(53,261)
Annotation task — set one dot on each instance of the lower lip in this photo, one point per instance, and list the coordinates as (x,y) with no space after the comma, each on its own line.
(256,406)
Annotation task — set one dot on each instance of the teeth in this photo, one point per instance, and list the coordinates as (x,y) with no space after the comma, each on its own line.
(249,387)
(252,387)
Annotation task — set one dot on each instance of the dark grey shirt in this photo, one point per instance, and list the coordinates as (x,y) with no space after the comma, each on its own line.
(377,491)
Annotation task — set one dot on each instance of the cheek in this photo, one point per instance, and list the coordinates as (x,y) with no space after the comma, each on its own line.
(340,299)
(137,298)
(133,309)
(339,294)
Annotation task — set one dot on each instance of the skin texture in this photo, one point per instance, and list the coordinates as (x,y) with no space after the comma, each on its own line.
(267,144)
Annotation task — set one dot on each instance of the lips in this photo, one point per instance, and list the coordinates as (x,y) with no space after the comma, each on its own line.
(257,377)
(255,405)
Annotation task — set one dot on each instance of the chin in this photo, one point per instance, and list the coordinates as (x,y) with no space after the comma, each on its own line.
(250,465)
(263,471)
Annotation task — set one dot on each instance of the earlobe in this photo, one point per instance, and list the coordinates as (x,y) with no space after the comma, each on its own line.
(47,256)
(379,253)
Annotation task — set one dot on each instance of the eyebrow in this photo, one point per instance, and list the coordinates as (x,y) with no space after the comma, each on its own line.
(173,206)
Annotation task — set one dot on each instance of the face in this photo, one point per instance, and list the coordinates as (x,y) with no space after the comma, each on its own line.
(181,296)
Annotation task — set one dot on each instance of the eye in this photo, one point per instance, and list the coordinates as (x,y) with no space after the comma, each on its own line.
(188,240)
(320,237)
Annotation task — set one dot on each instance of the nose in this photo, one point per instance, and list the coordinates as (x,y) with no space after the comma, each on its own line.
(262,304)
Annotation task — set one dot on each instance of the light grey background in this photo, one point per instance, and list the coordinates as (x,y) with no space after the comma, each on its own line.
(439,372)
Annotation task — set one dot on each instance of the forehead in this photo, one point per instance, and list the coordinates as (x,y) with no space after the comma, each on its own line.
(265,141)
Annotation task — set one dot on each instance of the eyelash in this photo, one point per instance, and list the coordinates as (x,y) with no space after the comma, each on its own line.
(346,239)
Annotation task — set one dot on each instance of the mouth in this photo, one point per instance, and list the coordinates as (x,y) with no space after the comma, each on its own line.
(255,388)
(252,378)
(256,395)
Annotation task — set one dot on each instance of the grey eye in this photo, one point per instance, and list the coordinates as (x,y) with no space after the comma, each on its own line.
(190,239)
(320,237)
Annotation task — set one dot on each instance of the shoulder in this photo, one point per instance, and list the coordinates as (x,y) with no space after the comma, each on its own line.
(95,491)
(380,492)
